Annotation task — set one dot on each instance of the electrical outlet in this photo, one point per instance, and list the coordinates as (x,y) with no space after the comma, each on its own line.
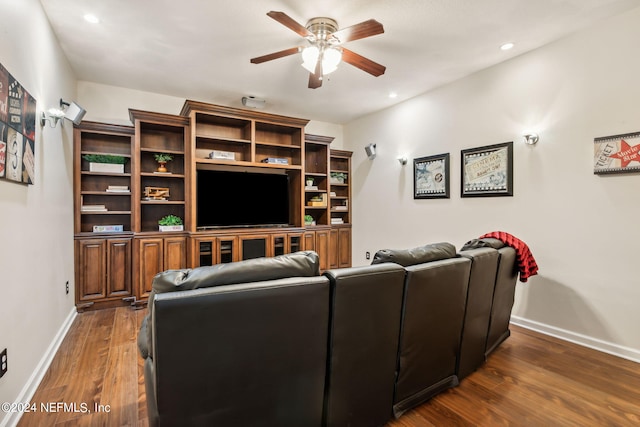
(367,255)
(3,363)
(66,287)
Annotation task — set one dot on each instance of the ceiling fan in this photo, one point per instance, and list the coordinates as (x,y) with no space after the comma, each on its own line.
(324,51)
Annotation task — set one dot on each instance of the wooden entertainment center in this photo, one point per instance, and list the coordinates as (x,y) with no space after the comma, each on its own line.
(118,245)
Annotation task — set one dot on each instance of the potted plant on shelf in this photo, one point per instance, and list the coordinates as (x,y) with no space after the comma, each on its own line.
(170,223)
(109,163)
(309,182)
(337,177)
(308,220)
(162,159)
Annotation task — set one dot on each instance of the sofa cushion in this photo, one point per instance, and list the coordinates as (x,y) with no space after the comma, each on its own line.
(419,255)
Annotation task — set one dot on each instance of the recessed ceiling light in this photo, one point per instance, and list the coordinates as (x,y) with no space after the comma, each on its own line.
(90,17)
(393,94)
(507,46)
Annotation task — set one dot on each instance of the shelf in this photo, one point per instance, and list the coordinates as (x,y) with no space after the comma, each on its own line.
(102,153)
(106,213)
(161,150)
(319,174)
(105,173)
(224,162)
(105,193)
(162,202)
(275,144)
(162,175)
(223,139)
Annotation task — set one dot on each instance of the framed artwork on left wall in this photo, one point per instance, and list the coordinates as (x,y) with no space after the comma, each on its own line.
(431,177)
(17,130)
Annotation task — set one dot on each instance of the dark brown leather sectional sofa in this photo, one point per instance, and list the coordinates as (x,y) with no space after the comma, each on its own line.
(272,342)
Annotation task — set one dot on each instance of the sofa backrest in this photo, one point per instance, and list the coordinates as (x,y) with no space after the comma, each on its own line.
(417,255)
(298,264)
(482,279)
(366,308)
(503,297)
(434,303)
(243,354)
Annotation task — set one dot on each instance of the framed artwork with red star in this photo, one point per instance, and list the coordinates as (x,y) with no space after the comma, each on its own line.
(616,154)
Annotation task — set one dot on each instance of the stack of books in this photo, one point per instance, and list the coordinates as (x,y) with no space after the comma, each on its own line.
(108,228)
(118,189)
(93,208)
(335,221)
(319,201)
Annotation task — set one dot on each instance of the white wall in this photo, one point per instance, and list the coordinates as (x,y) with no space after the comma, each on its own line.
(36,221)
(582,228)
(111,104)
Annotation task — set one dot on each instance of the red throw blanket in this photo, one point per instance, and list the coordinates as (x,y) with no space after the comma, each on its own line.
(526,262)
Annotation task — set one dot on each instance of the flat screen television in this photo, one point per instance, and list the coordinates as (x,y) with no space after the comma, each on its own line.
(241,199)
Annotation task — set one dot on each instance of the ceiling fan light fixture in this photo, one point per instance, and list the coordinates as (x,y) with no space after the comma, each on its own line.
(330,60)
(310,57)
(331,57)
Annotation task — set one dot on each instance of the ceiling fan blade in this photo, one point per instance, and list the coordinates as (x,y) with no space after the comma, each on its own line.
(288,22)
(276,55)
(363,63)
(315,78)
(359,31)
(314,81)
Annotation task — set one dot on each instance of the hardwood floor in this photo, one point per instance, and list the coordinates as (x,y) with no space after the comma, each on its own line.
(531,380)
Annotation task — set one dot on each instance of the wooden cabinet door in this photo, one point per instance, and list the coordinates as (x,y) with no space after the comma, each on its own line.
(333,249)
(309,241)
(118,268)
(294,242)
(91,270)
(151,261)
(322,248)
(344,247)
(254,246)
(175,253)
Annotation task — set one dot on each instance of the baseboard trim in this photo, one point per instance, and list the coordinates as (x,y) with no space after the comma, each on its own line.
(29,389)
(583,340)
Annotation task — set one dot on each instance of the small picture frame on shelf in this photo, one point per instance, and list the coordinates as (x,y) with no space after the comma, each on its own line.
(487,171)
(431,177)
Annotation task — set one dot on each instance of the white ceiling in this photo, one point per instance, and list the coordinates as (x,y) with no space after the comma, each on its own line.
(200,49)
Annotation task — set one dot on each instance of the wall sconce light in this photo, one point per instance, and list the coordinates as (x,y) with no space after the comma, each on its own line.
(530,138)
(402,160)
(371,151)
(70,111)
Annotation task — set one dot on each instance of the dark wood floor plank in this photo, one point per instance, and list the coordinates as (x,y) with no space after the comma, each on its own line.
(530,380)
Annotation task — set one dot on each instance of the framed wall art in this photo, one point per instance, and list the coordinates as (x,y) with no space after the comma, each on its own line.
(431,177)
(616,154)
(17,130)
(487,171)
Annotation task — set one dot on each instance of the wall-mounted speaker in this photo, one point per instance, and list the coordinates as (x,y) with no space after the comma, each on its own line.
(371,151)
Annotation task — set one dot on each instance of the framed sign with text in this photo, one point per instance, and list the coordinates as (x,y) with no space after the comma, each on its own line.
(616,154)
(487,171)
